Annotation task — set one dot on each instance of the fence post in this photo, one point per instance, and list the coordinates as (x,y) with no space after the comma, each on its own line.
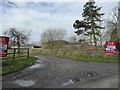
(28,53)
(14,53)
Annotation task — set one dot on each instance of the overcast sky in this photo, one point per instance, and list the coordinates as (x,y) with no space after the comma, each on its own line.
(37,16)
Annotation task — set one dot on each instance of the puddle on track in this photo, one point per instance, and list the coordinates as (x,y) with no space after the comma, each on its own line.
(68,83)
(38,61)
(25,83)
(36,66)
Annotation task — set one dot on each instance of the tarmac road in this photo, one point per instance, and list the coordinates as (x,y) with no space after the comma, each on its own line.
(54,72)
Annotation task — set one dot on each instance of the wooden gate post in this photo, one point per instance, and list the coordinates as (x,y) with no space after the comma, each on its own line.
(28,53)
(14,53)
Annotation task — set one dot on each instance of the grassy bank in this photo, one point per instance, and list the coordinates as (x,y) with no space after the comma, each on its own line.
(81,57)
(13,65)
(89,58)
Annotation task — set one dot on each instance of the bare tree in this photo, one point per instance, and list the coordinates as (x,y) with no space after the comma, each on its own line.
(118,32)
(17,36)
(52,34)
(73,39)
(112,25)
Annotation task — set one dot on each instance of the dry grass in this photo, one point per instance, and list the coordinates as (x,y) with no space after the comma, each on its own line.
(73,50)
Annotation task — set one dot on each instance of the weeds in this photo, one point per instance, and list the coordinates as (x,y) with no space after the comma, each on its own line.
(79,53)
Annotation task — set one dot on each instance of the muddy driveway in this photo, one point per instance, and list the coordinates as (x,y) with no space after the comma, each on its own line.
(54,72)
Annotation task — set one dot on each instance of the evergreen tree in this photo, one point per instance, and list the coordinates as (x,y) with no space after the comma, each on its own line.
(89,25)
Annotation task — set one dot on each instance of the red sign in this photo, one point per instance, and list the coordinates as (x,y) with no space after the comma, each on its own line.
(3,46)
(110,47)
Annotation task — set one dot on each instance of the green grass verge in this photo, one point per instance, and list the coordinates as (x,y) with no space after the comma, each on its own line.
(85,57)
(10,66)
(92,58)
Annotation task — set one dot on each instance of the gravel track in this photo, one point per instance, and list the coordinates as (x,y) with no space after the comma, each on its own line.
(54,72)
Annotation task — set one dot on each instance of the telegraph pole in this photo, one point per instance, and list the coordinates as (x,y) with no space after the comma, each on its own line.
(118,31)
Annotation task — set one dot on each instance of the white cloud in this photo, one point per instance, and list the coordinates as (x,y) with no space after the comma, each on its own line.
(38,21)
(38,17)
(63,0)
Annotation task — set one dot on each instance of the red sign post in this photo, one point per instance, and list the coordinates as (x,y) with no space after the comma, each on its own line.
(110,47)
(3,46)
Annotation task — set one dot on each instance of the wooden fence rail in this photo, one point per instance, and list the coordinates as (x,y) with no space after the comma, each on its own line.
(13,53)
